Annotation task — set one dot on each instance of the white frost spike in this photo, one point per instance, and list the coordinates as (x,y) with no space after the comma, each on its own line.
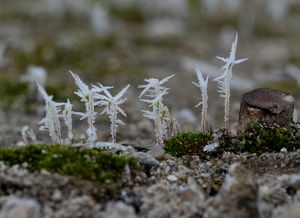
(112,108)
(224,80)
(67,116)
(202,84)
(87,96)
(28,135)
(160,113)
(51,122)
(154,86)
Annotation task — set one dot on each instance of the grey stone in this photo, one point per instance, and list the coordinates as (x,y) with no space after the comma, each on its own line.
(268,106)
(20,208)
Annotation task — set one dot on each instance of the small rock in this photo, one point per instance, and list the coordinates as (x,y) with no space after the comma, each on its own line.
(145,159)
(172,178)
(283,150)
(158,153)
(211,147)
(290,211)
(57,196)
(118,209)
(237,196)
(20,208)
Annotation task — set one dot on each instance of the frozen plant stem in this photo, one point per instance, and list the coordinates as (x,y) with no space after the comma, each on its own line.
(67,116)
(87,96)
(51,122)
(202,84)
(224,81)
(159,113)
(112,108)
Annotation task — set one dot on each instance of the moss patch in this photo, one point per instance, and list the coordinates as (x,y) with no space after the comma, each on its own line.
(130,14)
(257,139)
(260,139)
(187,143)
(11,91)
(89,164)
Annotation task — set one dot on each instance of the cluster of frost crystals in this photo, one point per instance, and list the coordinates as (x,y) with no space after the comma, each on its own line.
(50,122)
(224,80)
(112,108)
(88,96)
(160,113)
(202,84)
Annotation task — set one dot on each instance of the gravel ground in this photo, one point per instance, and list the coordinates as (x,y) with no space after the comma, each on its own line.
(120,42)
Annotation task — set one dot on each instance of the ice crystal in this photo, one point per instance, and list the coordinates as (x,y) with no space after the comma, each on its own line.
(67,116)
(224,80)
(159,113)
(28,135)
(112,107)
(87,96)
(202,84)
(50,122)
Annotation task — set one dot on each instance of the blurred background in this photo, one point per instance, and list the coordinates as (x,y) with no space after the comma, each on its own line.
(116,42)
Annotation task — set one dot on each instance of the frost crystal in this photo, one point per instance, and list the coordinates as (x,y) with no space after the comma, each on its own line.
(224,80)
(28,135)
(202,84)
(112,108)
(160,114)
(51,122)
(211,147)
(87,96)
(67,116)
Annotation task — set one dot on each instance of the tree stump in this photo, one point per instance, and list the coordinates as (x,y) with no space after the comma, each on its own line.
(268,106)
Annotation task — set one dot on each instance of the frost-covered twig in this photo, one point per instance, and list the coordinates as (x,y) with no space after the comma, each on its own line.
(160,113)
(67,116)
(112,108)
(87,96)
(224,80)
(51,122)
(202,84)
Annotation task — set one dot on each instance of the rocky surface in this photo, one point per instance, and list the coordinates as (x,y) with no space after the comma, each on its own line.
(233,185)
(122,41)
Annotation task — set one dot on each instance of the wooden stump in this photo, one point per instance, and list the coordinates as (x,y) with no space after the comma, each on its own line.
(270,106)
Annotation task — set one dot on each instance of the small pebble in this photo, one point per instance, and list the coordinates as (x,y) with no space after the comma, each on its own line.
(172,178)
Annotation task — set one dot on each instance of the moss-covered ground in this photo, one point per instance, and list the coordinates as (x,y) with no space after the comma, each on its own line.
(187,143)
(88,164)
(257,139)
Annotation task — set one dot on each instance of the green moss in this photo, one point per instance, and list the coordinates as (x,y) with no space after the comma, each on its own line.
(257,139)
(260,139)
(187,143)
(130,14)
(61,92)
(89,164)
(195,5)
(11,90)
